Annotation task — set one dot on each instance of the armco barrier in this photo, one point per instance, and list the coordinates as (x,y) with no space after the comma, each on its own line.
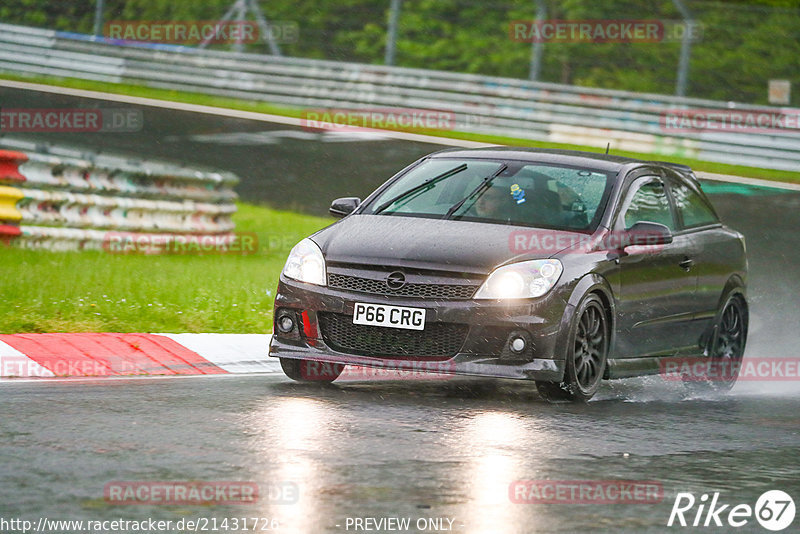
(481,104)
(58,198)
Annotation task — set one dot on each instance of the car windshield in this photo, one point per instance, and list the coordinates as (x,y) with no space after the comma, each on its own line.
(515,193)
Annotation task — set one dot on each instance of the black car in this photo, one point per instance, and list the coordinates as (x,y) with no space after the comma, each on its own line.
(557,266)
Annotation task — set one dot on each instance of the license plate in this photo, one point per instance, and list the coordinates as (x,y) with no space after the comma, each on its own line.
(389,316)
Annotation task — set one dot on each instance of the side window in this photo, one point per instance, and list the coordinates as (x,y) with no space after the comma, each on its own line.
(649,203)
(693,209)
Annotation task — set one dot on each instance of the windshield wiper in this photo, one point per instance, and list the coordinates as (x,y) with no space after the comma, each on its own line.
(482,186)
(427,183)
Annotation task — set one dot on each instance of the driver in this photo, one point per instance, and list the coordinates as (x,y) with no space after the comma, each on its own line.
(493,204)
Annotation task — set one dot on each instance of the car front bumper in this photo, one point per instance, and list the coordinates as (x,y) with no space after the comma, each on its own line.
(485,351)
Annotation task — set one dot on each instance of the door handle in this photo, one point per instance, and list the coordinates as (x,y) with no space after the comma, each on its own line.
(686,264)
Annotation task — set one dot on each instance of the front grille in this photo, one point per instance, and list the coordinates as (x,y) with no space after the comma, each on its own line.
(379,287)
(438,340)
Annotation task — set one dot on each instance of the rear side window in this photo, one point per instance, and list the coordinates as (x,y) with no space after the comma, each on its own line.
(649,203)
(693,209)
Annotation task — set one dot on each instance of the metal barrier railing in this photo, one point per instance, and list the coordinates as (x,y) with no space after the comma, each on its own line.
(480,104)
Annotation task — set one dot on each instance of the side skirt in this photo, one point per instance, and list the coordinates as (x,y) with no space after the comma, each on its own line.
(650,365)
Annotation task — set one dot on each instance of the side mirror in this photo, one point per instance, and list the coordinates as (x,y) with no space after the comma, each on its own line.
(342,207)
(647,234)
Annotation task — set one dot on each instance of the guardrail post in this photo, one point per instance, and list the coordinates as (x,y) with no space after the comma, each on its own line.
(98,17)
(686,49)
(265,28)
(538,46)
(391,34)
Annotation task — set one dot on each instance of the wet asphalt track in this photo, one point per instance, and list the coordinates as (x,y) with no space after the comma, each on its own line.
(433,449)
(424,449)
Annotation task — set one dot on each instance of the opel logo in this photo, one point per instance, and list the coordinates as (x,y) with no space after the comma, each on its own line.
(395,280)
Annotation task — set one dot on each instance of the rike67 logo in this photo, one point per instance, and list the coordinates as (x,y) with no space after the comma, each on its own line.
(774,510)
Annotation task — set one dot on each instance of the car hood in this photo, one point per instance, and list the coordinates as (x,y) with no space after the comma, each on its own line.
(416,242)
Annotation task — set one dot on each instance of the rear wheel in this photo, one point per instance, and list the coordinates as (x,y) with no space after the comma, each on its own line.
(726,346)
(311,370)
(587,353)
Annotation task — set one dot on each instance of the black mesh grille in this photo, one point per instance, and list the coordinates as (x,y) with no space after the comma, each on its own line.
(379,287)
(441,340)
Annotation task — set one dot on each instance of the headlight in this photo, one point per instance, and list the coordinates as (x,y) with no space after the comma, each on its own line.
(306,264)
(526,279)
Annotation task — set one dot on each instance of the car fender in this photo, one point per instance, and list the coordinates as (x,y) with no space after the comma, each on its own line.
(591,282)
(734,286)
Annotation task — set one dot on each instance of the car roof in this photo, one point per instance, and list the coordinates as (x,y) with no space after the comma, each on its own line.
(600,161)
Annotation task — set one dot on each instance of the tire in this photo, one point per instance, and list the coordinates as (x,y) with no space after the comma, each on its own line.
(726,346)
(586,357)
(311,371)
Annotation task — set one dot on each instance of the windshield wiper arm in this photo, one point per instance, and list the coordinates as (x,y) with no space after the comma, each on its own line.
(483,185)
(418,187)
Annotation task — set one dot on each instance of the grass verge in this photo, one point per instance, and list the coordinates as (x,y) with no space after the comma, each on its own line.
(264,107)
(101,292)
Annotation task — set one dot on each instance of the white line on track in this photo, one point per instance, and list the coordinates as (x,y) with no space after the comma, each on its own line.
(293,121)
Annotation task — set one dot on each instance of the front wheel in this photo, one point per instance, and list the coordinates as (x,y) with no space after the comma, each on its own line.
(311,370)
(587,353)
